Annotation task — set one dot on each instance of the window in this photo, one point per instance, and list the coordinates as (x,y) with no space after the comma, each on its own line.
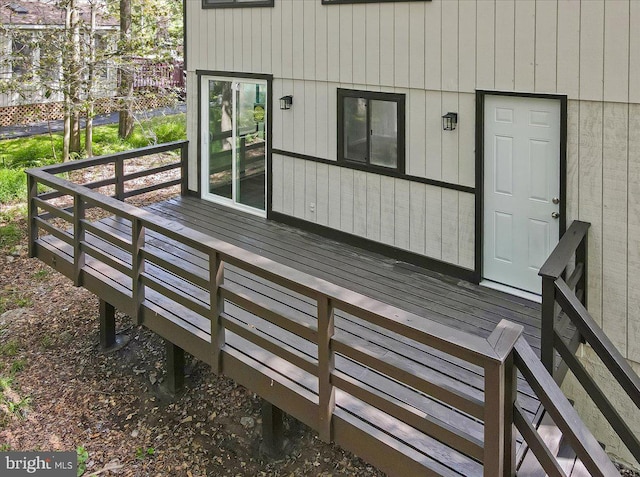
(22,54)
(337,2)
(371,129)
(236,3)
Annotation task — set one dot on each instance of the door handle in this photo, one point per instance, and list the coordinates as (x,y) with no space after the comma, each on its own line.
(556,200)
(555,215)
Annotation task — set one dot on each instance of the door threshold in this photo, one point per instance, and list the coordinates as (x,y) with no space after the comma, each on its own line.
(512,291)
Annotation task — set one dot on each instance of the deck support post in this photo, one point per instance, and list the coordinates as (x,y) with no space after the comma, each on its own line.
(184,171)
(32,224)
(547,331)
(174,367)
(107,325)
(78,238)
(216,279)
(137,241)
(272,429)
(326,366)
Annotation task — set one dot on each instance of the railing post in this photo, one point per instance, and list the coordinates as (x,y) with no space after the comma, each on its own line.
(548,323)
(500,392)
(78,239)
(119,172)
(137,267)
(216,279)
(32,224)
(184,168)
(326,366)
(582,257)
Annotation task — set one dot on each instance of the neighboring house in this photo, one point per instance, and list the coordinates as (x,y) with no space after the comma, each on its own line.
(28,41)
(342,115)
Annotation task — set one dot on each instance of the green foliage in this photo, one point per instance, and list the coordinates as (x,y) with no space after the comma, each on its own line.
(83,457)
(5,447)
(18,365)
(10,235)
(41,274)
(142,454)
(13,184)
(10,348)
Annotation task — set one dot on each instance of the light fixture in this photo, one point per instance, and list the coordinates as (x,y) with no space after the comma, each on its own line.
(449,121)
(286,102)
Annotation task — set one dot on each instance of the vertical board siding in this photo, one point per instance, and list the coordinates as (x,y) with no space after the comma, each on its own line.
(614,223)
(387,210)
(360,203)
(485,44)
(359,44)
(591,196)
(466,50)
(299,188)
(374,198)
(525,45)
(505,45)
(346,200)
(417,214)
(573,161)
(277,171)
(309,44)
(568,55)
(466,230)
(322,194)
(416,45)
(546,28)
(633,235)
(616,51)
(634,53)
(401,214)
(310,190)
(387,47)
(449,44)
(591,50)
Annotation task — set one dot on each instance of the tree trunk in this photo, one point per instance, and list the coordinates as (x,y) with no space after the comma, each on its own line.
(75,79)
(125,83)
(88,137)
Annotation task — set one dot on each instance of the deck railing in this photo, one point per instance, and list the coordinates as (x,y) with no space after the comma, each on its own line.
(134,257)
(567,298)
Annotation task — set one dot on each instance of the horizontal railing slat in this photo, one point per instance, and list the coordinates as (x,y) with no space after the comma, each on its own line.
(150,172)
(269,344)
(175,269)
(441,391)
(259,307)
(152,188)
(563,414)
(57,212)
(547,460)
(411,416)
(177,296)
(102,231)
(55,231)
(599,341)
(99,255)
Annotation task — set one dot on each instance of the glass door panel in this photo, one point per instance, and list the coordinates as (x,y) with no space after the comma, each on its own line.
(220,138)
(250,165)
(236,143)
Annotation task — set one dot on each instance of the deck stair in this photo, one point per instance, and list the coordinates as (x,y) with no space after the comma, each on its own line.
(407,390)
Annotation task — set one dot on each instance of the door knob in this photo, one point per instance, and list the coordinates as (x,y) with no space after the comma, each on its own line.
(556,200)
(555,215)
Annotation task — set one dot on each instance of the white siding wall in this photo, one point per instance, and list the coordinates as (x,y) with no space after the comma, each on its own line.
(438,53)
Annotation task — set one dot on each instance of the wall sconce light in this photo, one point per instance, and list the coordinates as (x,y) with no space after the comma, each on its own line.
(286,102)
(449,121)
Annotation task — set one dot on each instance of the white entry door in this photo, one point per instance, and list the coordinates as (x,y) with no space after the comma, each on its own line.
(521,188)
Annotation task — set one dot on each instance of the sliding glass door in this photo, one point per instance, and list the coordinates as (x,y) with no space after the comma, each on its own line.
(234,147)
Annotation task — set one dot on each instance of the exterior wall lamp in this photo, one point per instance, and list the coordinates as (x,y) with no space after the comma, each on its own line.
(449,121)
(286,102)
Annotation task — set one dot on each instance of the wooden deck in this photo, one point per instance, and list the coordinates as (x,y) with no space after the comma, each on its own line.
(439,299)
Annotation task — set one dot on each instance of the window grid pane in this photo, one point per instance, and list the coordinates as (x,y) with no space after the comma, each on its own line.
(384,134)
(355,129)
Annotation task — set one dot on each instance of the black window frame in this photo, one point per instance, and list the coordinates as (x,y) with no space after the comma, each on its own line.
(342,2)
(400,100)
(236,4)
